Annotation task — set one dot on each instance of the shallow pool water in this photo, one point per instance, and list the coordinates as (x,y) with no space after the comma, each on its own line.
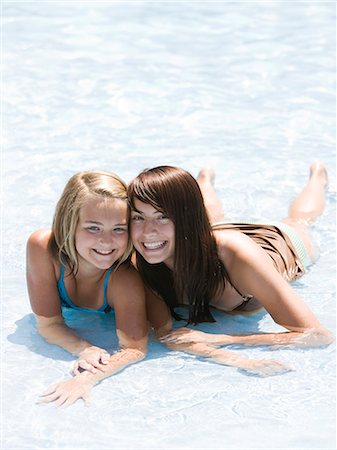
(246,87)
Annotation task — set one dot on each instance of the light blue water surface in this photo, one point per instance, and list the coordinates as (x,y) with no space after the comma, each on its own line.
(247,87)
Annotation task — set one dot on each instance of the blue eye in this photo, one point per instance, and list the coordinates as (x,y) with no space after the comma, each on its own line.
(93,228)
(120,230)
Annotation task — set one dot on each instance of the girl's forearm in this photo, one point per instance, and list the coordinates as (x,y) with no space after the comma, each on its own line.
(58,333)
(226,358)
(308,338)
(116,363)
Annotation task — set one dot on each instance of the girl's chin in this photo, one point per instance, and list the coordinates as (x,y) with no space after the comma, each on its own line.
(153,259)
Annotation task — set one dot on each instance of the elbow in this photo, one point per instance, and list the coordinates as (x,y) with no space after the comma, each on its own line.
(44,332)
(48,331)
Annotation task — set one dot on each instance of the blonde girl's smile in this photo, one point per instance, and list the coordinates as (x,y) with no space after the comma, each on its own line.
(102,234)
(102,252)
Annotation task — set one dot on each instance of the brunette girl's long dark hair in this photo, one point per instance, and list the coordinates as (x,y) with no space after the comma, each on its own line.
(198,272)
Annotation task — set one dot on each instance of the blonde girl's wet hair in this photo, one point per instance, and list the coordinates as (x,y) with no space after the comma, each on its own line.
(80,187)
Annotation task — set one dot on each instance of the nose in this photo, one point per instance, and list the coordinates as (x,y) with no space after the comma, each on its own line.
(105,238)
(149,227)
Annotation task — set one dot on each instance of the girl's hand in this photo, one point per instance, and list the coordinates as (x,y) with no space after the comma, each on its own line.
(187,336)
(266,367)
(67,392)
(91,359)
(259,367)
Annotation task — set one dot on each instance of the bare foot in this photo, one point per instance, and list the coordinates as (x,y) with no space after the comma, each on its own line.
(206,174)
(318,171)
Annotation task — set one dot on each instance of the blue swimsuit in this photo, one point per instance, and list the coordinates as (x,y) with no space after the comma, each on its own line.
(65,300)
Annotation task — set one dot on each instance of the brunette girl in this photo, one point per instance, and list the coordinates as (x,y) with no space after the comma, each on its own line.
(188,254)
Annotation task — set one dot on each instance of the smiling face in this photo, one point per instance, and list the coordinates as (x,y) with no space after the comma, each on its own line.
(101,236)
(152,234)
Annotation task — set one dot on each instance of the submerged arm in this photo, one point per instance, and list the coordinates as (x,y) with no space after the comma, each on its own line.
(55,331)
(129,305)
(306,338)
(67,392)
(252,273)
(161,321)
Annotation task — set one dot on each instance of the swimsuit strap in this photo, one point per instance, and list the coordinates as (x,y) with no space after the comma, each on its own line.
(62,290)
(67,302)
(106,281)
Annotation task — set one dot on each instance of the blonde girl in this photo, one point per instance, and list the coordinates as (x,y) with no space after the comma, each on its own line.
(83,263)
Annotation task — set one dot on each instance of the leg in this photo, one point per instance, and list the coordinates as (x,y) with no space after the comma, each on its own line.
(212,202)
(308,205)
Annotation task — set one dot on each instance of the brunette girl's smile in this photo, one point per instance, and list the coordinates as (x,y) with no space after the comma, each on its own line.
(152,234)
(154,245)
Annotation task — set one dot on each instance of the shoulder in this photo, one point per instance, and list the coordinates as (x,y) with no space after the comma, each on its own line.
(231,240)
(39,239)
(38,247)
(126,289)
(234,245)
(126,272)
(126,277)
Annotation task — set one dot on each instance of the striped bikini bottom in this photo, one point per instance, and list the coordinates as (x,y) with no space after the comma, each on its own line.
(281,242)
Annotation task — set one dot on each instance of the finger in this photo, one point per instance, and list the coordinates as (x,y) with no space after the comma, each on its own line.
(99,366)
(75,371)
(175,336)
(75,368)
(102,367)
(69,401)
(166,339)
(181,331)
(173,340)
(50,390)
(86,399)
(87,366)
(49,398)
(74,397)
(61,400)
(105,357)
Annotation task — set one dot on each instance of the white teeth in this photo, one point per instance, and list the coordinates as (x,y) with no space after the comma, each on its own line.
(153,245)
(103,252)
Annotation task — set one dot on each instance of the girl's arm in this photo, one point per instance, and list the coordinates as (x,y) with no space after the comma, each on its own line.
(67,392)
(128,296)
(46,305)
(160,319)
(252,272)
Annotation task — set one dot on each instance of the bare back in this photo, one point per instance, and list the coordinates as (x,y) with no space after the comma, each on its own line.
(252,273)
